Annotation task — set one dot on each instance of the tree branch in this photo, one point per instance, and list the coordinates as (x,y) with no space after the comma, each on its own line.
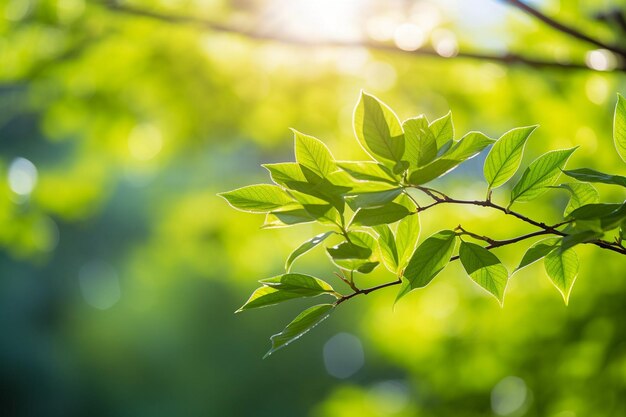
(566,29)
(504,59)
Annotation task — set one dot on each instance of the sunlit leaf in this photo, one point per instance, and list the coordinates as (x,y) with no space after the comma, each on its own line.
(373,199)
(619,127)
(368,171)
(299,283)
(304,322)
(407,236)
(469,146)
(580,194)
(443,130)
(599,217)
(387,244)
(591,175)
(386,214)
(286,218)
(313,154)
(574,239)
(420,143)
(378,130)
(541,173)
(428,260)
(259,198)
(305,247)
(506,155)
(484,268)
(562,268)
(538,251)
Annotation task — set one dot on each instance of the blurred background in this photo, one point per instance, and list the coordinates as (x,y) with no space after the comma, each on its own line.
(121,269)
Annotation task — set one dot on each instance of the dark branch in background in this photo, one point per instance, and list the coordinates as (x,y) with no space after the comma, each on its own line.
(505,59)
(568,30)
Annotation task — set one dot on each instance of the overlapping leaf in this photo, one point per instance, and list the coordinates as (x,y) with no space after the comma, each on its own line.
(259,198)
(506,155)
(619,127)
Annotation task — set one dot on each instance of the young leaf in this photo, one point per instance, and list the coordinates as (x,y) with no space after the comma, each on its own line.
(305,247)
(298,283)
(619,127)
(313,154)
(386,214)
(349,250)
(368,171)
(538,251)
(504,158)
(574,239)
(581,194)
(304,322)
(286,218)
(378,130)
(420,143)
(469,146)
(259,198)
(428,260)
(285,287)
(484,268)
(541,173)
(599,217)
(388,250)
(407,236)
(562,268)
(443,130)
(284,173)
(373,199)
(590,175)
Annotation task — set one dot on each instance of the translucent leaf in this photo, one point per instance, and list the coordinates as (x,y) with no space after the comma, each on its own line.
(305,247)
(259,198)
(506,155)
(298,283)
(541,173)
(304,322)
(428,260)
(407,236)
(368,171)
(378,130)
(286,218)
(420,143)
(386,214)
(387,244)
(562,268)
(443,130)
(373,199)
(466,148)
(580,194)
(619,127)
(484,268)
(590,175)
(538,251)
(599,217)
(313,154)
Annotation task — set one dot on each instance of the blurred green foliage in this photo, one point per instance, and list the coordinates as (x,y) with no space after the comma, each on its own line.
(121,268)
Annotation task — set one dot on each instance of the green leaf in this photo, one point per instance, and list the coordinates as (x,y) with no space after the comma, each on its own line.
(580,194)
(305,247)
(484,268)
(259,198)
(538,251)
(368,171)
(298,283)
(373,199)
(407,236)
(619,127)
(443,130)
(387,244)
(599,217)
(349,250)
(622,230)
(504,158)
(386,214)
(562,268)
(286,218)
(466,148)
(574,239)
(378,130)
(428,260)
(285,287)
(358,254)
(304,322)
(541,173)
(284,173)
(590,175)
(313,154)
(420,143)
